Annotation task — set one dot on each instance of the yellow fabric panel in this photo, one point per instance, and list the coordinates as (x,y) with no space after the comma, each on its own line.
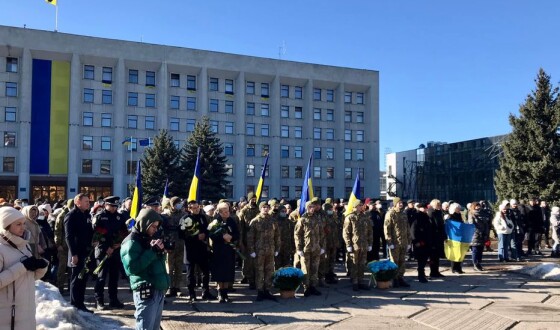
(60,117)
(455,251)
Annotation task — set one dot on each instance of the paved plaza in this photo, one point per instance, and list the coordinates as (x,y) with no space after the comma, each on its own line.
(499,298)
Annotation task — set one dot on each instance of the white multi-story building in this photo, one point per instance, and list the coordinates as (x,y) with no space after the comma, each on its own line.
(67,102)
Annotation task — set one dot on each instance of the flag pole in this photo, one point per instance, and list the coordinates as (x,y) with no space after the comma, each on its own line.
(131,160)
(56,18)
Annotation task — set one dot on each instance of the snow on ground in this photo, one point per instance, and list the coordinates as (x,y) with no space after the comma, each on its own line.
(544,271)
(54,312)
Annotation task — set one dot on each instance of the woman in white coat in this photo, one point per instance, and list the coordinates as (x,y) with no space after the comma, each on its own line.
(504,226)
(18,272)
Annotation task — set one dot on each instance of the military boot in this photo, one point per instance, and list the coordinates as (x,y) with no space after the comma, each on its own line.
(222,296)
(116,303)
(192,295)
(269,295)
(403,283)
(260,296)
(206,295)
(422,276)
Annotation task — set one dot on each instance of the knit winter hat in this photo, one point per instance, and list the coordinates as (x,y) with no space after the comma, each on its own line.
(9,215)
(454,207)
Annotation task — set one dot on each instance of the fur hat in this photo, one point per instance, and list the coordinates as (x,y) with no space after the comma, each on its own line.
(454,207)
(9,215)
(396,200)
(513,201)
(250,196)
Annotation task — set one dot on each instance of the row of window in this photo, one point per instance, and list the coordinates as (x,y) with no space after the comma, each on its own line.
(9,164)
(286,171)
(286,91)
(104,166)
(250,151)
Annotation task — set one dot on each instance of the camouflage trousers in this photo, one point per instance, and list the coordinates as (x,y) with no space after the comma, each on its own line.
(398,256)
(248,269)
(310,267)
(61,277)
(175,264)
(358,260)
(327,262)
(264,269)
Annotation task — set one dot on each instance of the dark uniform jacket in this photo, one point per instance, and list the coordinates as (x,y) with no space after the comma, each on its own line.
(78,233)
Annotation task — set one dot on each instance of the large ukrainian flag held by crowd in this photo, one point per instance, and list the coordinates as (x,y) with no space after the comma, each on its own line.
(50,111)
(460,235)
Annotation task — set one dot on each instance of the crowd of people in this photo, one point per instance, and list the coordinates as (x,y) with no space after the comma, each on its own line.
(70,241)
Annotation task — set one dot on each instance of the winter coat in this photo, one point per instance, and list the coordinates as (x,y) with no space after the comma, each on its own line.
(358,231)
(78,233)
(555,226)
(14,276)
(396,228)
(421,233)
(502,224)
(196,250)
(518,218)
(222,263)
(535,223)
(309,233)
(482,228)
(141,263)
(438,228)
(36,239)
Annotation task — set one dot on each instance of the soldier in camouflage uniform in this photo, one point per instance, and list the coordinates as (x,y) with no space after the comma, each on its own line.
(172,214)
(294,217)
(263,244)
(332,244)
(248,213)
(397,233)
(310,241)
(62,248)
(286,228)
(358,236)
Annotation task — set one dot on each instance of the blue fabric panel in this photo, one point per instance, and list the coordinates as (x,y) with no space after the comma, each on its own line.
(40,117)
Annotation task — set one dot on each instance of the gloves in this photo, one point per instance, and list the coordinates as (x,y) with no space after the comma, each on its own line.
(322,251)
(300,253)
(369,248)
(253,255)
(391,246)
(32,263)
(349,249)
(276,253)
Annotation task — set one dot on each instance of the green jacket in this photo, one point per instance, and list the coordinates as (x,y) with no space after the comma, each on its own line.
(141,263)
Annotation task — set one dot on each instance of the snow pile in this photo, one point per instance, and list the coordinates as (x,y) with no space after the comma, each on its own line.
(53,312)
(545,271)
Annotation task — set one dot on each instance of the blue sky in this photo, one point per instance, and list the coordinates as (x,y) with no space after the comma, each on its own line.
(449,70)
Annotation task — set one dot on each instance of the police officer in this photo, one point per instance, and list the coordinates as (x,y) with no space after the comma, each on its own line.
(397,232)
(263,244)
(111,229)
(248,213)
(358,236)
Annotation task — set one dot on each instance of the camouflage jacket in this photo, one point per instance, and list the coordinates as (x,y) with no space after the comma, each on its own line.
(309,233)
(247,214)
(358,231)
(263,236)
(397,230)
(59,237)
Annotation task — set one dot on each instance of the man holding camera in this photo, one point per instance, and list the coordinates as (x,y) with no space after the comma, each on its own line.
(112,224)
(144,262)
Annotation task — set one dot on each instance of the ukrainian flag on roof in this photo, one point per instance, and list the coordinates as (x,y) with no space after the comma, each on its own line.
(460,236)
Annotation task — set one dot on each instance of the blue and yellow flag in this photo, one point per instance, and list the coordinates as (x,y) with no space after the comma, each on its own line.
(52,2)
(50,115)
(193,191)
(307,189)
(261,180)
(354,195)
(460,236)
(136,197)
(127,141)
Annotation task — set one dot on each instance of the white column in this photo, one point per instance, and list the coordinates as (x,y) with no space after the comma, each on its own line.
(371,119)
(202,106)
(339,143)
(239,159)
(119,150)
(162,97)
(74,138)
(273,180)
(24,137)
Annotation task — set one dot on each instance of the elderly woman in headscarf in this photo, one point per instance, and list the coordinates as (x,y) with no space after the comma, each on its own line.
(19,270)
(36,239)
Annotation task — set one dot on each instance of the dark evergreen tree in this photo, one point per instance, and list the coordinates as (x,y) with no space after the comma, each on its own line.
(529,164)
(212,181)
(160,162)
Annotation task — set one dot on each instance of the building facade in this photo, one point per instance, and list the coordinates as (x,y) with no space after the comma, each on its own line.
(461,171)
(67,103)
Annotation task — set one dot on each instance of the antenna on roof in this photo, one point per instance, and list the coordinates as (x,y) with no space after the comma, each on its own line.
(282,50)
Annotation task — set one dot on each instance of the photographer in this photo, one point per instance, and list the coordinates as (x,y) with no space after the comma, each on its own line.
(144,262)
